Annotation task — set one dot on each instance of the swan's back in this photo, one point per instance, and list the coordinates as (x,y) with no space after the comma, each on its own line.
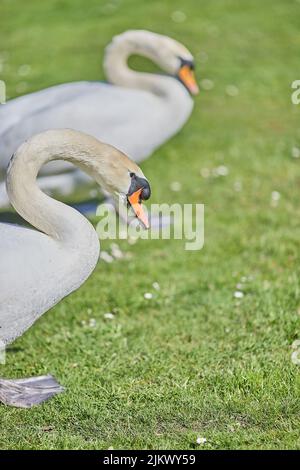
(17,109)
(134,121)
(22,117)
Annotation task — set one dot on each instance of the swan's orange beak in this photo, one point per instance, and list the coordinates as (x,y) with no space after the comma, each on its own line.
(187,76)
(137,207)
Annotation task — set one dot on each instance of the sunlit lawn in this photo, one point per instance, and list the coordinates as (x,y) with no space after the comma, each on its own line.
(194,360)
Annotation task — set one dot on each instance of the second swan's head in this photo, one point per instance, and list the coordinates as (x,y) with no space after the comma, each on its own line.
(167,53)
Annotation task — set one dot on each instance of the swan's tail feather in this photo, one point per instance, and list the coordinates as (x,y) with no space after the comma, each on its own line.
(25,393)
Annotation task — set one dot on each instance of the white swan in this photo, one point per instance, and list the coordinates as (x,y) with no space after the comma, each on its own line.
(40,267)
(136,112)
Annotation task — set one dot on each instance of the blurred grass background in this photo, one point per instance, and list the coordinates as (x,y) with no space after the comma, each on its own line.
(194,360)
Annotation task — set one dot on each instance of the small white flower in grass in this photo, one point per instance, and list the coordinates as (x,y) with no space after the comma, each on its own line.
(92,322)
(295,152)
(207,84)
(116,252)
(156,286)
(295,357)
(109,316)
(232,90)
(238,294)
(296,344)
(175,186)
(178,16)
(201,440)
(106,257)
(222,170)
(148,295)
(275,197)
(237,186)
(205,173)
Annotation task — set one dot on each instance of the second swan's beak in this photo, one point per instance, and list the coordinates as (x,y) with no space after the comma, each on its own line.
(137,207)
(187,76)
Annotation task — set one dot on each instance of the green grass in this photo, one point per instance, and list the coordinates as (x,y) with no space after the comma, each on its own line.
(194,360)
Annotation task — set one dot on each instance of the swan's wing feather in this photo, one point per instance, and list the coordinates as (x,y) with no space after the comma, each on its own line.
(17,109)
(128,119)
(32,107)
(135,121)
(33,278)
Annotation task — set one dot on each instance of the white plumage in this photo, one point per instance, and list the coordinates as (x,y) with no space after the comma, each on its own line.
(136,112)
(40,267)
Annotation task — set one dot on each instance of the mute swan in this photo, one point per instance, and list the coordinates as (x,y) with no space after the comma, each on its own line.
(39,268)
(136,112)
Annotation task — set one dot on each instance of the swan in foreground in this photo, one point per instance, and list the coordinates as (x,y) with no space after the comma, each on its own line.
(136,112)
(40,267)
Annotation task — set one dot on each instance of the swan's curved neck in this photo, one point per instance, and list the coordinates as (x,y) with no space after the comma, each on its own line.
(117,70)
(52,217)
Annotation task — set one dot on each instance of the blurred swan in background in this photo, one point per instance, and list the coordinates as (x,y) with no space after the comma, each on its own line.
(136,112)
(40,267)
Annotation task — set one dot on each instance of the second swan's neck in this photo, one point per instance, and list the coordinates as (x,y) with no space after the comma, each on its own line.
(48,215)
(118,72)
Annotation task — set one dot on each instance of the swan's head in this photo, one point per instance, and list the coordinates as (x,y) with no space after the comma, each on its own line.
(138,191)
(175,59)
(123,179)
(170,55)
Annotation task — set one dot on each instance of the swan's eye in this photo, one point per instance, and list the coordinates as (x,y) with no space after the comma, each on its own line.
(187,77)
(187,62)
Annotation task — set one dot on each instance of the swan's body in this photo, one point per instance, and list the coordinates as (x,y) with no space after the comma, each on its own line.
(135,112)
(39,268)
(37,271)
(135,121)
